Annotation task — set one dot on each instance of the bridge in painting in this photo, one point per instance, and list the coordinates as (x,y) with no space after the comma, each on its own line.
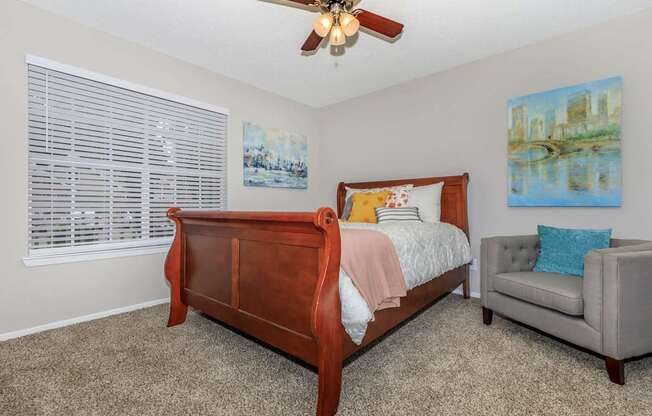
(553,148)
(557,148)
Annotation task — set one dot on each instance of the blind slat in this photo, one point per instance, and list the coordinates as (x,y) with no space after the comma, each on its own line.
(106,162)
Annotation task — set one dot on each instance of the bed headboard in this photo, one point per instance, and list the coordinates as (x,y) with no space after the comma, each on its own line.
(453,197)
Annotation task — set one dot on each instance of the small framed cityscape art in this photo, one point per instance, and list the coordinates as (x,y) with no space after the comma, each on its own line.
(274,158)
(565,147)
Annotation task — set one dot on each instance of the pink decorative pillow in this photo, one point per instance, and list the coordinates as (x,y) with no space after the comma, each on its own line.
(399,197)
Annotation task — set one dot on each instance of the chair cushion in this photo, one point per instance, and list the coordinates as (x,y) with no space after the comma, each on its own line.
(560,292)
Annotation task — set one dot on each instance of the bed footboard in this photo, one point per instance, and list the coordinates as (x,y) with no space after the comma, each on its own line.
(273,276)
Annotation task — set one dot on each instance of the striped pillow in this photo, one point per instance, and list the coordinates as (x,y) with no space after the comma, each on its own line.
(406,214)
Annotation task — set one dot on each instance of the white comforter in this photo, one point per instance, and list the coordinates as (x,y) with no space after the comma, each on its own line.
(425,252)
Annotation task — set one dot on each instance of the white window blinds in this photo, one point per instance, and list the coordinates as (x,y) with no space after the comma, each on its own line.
(106,162)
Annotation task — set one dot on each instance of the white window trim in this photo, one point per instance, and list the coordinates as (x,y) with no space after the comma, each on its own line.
(112,250)
(97,252)
(94,76)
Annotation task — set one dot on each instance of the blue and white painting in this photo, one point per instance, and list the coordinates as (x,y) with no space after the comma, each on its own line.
(565,147)
(274,158)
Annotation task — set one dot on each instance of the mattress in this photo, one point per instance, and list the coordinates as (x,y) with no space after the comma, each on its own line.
(425,251)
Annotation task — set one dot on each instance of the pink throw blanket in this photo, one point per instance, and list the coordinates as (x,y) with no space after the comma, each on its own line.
(370,260)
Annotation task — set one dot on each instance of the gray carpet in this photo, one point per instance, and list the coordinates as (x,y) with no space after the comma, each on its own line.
(445,362)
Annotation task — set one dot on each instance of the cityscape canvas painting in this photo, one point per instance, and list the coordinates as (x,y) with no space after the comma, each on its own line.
(564,146)
(274,158)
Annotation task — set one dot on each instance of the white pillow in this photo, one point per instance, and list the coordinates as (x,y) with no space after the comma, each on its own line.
(428,200)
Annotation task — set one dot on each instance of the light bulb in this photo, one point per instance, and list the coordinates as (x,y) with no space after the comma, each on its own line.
(350,25)
(337,36)
(323,24)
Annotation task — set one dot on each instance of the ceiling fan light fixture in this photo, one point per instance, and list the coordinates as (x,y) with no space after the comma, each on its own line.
(323,24)
(338,38)
(350,24)
(339,20)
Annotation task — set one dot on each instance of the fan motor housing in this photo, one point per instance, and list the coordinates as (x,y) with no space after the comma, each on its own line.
(337,5)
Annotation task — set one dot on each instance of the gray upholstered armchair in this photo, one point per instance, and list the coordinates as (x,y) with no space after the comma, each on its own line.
(608,311)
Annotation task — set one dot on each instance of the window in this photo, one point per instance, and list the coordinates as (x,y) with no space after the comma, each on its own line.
(108,158)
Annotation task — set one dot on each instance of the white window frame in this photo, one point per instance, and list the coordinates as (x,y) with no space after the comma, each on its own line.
(61,255)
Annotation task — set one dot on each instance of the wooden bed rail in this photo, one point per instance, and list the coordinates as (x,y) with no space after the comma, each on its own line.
(271,275)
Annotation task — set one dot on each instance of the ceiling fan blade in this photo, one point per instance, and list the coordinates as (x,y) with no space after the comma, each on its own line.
(306,2)
(312,43)
(379,24)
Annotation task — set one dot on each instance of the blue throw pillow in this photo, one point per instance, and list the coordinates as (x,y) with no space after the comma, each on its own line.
(563,250)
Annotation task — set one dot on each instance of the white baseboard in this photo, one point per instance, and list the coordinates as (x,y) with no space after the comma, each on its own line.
(458,291)
(66,322)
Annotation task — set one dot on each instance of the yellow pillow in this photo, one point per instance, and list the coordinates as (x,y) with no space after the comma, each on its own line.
(365,204)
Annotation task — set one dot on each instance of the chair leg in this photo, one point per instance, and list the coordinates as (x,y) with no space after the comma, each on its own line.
(616,370)
(487,316)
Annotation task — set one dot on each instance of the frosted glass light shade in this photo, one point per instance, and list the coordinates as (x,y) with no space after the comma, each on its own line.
(338,38)
(350,25)
(323,24)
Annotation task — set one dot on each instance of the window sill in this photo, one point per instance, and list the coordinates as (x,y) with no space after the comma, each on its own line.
(45,260)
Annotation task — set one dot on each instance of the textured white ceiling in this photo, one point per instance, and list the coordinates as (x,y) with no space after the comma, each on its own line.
(258,41)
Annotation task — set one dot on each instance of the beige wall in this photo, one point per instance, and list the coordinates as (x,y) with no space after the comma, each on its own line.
(456,121)
(446,123)
(35,296)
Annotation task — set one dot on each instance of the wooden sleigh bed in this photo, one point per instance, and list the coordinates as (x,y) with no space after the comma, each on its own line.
(274,276)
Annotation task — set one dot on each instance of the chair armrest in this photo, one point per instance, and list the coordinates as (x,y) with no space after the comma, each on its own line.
(594,280)
(506,255)
(627,308)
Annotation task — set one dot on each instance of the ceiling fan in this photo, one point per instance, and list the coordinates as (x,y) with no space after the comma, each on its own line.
(341,20)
